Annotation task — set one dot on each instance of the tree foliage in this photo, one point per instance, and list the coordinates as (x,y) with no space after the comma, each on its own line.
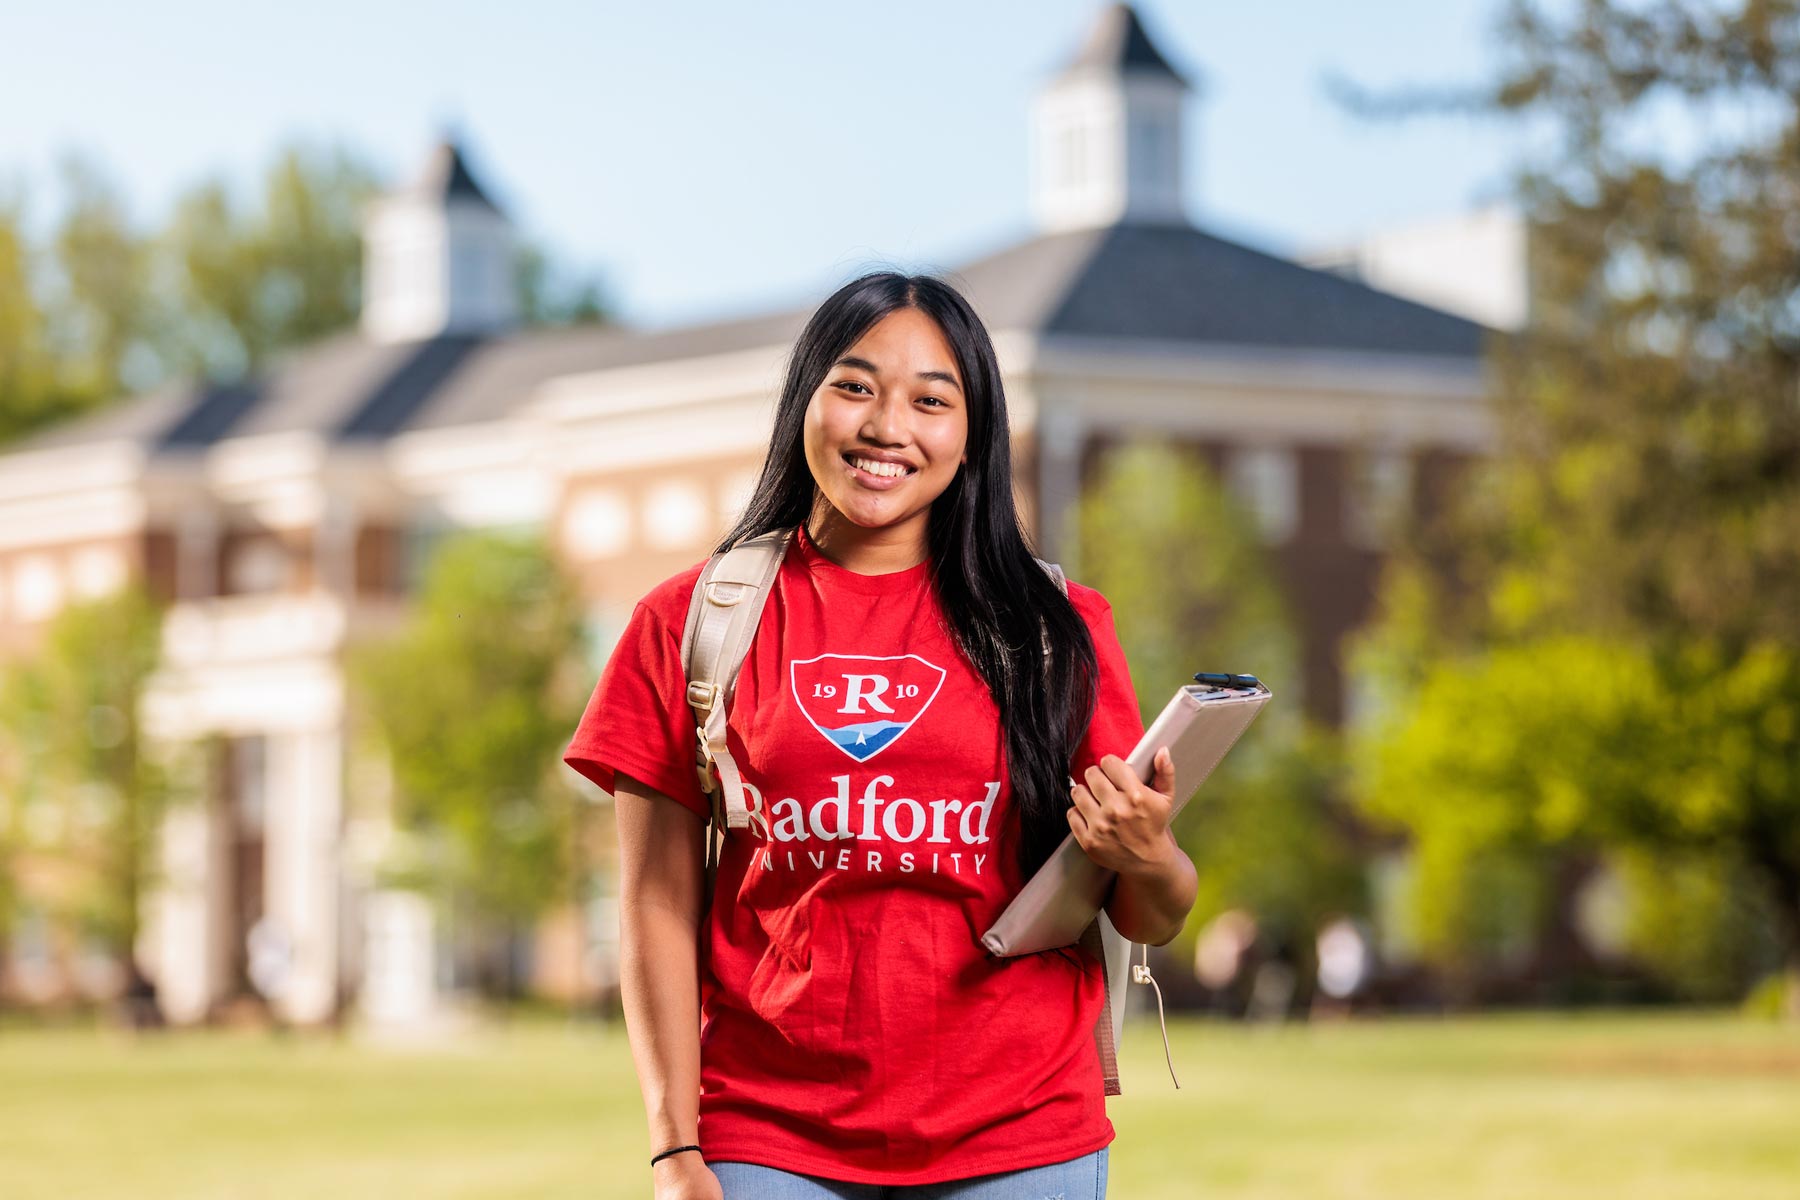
(282,271)
(472,702)
(224,284)
(1601,641)
(80,791)
(1191,590)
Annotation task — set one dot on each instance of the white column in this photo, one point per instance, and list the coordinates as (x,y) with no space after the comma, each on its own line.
(181,947)
(305,798)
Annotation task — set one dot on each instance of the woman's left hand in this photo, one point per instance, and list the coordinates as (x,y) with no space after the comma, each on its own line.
(1122,822)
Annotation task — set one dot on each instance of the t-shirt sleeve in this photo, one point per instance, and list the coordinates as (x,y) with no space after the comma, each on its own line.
(638,720)
(1118,724)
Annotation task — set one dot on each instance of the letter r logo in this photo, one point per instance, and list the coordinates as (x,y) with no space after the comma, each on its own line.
(883,695)
(857,689)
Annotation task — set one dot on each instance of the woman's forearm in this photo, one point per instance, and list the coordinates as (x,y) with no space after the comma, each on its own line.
(659,986)
(1152,905)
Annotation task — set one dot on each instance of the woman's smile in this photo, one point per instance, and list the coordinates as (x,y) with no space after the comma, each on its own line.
(877,475)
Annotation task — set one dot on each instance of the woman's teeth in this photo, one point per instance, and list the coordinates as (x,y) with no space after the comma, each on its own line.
(879,468)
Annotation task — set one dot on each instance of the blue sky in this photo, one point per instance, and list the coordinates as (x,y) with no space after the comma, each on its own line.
(717,158)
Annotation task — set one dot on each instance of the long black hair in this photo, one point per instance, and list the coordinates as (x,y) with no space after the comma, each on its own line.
(1004,609)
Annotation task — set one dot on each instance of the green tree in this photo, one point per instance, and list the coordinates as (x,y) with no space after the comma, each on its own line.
(30,392)
(472,702)
(1190,588)
(105,310)
(1574,742)
(1633,532)
(71,742)
(223,286)
(284,272)
(1181,564)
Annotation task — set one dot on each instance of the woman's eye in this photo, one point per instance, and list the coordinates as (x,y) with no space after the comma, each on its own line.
(937,402)
(850,383)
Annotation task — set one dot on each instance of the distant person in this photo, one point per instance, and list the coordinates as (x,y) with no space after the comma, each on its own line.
(905,741)
(138,1008)
(1275,981)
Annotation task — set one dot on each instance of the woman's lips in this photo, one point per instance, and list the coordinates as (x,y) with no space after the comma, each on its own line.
(878,483)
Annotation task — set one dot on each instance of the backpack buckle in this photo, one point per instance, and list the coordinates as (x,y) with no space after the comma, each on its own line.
(725,599)
(701,695)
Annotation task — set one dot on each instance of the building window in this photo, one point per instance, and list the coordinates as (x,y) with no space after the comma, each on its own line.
(1071,156)
(97,570)
(37,587)
(1378,495)
(259,563)
(1149,151)
(597,524)
(1266,480)
(676,516)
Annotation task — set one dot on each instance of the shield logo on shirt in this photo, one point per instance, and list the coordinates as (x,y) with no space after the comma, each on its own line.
(863,703)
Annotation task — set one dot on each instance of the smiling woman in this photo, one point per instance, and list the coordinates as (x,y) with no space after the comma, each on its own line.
(885,434)
(914,697)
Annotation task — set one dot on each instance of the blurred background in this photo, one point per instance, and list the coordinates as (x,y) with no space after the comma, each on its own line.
(1437,363)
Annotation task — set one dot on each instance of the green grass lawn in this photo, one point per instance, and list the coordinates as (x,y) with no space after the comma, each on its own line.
(1646,1107)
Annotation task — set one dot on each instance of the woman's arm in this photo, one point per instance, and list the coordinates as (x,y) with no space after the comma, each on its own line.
(1122,823)
(1151,902)
(661,875)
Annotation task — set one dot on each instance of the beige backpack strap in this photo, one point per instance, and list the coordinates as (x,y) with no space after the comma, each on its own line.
(723,614)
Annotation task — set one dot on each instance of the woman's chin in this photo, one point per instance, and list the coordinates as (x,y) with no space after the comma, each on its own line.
(869,513)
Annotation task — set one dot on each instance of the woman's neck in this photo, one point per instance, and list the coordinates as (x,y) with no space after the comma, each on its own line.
(879,551)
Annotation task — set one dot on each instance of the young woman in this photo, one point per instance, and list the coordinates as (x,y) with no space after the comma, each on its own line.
(917,697)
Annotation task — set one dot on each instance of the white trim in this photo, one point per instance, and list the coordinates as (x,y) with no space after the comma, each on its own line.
(30,474)
(1252,395)
(1313,370)
(78,516)
(242,698)
(658,386)
(696,435)
(243,465)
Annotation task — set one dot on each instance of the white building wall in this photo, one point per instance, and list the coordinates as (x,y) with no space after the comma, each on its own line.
(1472,264)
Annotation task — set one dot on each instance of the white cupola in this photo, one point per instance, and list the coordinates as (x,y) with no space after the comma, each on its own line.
(437,257)
(1106,133)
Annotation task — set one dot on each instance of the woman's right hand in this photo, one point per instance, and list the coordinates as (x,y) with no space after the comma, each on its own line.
(685,1177)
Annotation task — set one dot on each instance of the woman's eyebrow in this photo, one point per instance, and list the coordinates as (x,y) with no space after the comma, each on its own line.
(863,364)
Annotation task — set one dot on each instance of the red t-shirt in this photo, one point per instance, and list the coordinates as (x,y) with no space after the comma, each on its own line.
(852,1025)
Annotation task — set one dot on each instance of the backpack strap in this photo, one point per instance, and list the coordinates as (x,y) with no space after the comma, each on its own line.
(723,614)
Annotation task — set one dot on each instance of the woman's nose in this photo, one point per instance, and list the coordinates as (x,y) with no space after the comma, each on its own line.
(887,420)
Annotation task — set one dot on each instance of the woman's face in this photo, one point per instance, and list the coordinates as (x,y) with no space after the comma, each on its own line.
(888,428)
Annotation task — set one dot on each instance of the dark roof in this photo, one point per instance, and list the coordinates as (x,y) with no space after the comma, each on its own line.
(1166,283)
(446,177)
(1170,282)
(1117,45)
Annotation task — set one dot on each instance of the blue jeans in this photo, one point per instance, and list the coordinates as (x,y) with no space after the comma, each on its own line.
(1081,1178)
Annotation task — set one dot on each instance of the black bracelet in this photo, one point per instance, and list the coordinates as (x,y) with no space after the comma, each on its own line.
(676,1150)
